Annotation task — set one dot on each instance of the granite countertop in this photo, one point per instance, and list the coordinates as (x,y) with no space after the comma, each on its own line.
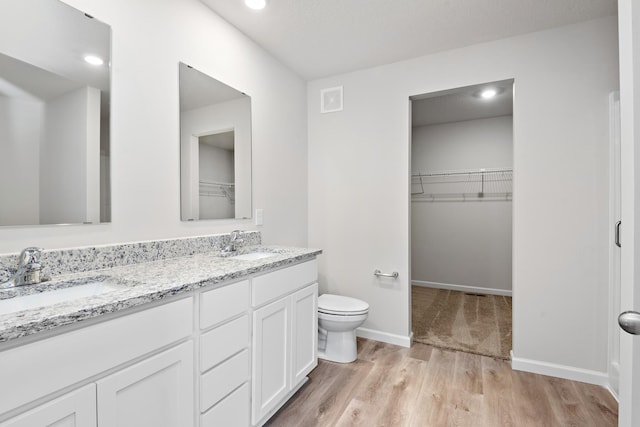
(137,284)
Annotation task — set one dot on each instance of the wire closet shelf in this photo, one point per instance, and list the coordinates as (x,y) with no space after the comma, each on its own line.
(463,185)
(218,189)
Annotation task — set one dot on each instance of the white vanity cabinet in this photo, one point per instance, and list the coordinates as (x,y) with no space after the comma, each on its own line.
(116,370)
(228,355)
(284,342)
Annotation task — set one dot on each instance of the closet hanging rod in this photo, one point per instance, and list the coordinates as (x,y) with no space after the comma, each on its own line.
(468,172)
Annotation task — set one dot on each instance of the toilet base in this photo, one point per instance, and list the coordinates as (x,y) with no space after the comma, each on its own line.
(338,347)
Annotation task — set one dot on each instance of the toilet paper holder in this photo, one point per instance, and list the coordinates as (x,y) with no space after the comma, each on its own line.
(381,274)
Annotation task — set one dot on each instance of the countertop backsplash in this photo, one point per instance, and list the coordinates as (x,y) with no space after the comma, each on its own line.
(66,261)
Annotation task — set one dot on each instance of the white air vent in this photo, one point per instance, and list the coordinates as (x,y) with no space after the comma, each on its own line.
(331,99)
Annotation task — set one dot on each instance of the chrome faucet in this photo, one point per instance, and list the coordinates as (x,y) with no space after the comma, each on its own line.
(234,238)
(29,269)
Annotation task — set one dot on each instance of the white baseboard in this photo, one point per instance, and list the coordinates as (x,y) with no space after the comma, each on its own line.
(560,371)
(463,288)
(401,340)
(614,380)
(613,393)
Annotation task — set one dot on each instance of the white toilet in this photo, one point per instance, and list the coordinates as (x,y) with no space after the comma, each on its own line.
(338,318)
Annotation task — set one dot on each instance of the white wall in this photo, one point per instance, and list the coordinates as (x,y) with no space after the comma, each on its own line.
(20,134)
(454,242)
(224,116)
(470,144)
(149,38)
(69,158)
(216,165)
(359,184)
(92,156)
(105,173)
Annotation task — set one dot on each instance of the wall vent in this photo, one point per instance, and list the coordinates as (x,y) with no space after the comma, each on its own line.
(331,99)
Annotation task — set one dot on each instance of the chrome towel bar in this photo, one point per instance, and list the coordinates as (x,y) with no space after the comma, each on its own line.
(381,274)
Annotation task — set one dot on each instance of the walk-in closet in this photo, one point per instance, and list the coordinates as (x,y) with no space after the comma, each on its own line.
(461,218)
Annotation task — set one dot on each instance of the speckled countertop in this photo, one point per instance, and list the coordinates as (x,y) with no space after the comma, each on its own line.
(137,284)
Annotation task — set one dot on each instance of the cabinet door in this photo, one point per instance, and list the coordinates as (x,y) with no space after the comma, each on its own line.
(270,357)
(157,392)
(304,332)
(75,409)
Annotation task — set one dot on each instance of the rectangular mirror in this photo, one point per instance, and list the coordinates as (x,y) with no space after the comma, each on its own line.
(54,114)
(215,148)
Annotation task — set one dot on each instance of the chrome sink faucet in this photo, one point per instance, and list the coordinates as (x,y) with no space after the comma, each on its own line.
(234,238)
(29,269)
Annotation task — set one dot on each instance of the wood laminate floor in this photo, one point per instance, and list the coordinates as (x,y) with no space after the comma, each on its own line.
(426,386)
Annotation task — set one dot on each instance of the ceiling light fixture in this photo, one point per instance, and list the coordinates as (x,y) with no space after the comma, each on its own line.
(256,4)
(488,93)
(94,60)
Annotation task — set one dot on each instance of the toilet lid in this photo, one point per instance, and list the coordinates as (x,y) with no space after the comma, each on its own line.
(338,304)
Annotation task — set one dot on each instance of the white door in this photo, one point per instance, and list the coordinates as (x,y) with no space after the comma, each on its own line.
(74,409)
(270,357)
(304,333)
(615,246)
(629,39)
(157,392)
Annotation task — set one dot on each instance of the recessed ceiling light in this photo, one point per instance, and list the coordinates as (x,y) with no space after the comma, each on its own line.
(488,93)
(94,60)
(256,4)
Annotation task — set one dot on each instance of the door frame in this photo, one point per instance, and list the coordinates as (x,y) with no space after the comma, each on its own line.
(411,99)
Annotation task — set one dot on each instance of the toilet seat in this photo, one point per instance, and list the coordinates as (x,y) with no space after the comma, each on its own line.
(341,306)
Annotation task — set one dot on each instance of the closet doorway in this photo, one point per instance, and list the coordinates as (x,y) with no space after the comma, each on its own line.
(461,218)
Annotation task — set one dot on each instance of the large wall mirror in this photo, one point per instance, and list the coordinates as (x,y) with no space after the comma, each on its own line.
(215,148)
(54,114)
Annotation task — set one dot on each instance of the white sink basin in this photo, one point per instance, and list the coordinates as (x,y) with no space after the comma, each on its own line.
(251,256)
(42,299)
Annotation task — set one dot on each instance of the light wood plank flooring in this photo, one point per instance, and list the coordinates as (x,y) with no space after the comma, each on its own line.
(426,386)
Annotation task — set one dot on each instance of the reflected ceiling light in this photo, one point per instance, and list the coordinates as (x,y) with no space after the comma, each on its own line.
(256,4)
(488,93)
(94,60)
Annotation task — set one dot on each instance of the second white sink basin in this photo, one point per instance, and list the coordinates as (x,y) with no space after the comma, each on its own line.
(42,299)
(251,256)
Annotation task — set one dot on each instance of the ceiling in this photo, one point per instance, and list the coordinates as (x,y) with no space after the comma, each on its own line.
(198,90)
(224,140)
(21,80)
(43,44)
(319,38)
(461,104)
(55,37)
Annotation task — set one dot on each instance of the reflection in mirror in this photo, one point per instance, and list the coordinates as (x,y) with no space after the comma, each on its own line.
(215,148)
(54,115)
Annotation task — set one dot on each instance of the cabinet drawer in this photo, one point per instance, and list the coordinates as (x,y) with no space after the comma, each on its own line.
(231,412)
(221,380)
(223,342)
(217,305)
(273,285)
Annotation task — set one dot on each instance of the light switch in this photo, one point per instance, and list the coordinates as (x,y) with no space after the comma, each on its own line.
(258,217)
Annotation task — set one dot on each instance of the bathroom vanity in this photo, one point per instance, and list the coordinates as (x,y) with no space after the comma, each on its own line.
(198,340)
